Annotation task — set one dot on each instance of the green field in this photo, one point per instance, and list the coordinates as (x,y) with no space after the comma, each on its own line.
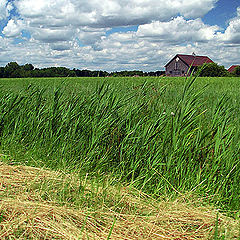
(165,136)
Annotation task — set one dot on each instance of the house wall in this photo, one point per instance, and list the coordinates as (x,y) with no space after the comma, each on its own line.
(175,68)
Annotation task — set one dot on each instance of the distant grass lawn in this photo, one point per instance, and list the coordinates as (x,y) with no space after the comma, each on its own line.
(219,84)
(216,87)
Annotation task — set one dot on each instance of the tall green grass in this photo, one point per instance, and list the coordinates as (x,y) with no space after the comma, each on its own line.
(162,149)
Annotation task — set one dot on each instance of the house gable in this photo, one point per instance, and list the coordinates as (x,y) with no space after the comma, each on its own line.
(180,64)
(176,67)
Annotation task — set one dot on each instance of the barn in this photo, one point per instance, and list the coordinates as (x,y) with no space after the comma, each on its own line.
(180,64)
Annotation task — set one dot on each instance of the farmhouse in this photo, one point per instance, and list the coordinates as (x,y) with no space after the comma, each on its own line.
(180,64)
(232,68)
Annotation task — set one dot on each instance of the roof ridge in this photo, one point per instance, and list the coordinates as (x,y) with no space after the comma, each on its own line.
(192,60)
(192,55)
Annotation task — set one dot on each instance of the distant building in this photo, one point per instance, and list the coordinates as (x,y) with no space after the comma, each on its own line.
(232,68)
(180,64)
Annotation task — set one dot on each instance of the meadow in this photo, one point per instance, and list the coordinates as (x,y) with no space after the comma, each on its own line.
(166,137)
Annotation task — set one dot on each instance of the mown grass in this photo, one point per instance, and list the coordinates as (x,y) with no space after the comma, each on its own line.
(43,204)
(166,137)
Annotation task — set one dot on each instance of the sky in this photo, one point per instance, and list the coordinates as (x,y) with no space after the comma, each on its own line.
(115,35)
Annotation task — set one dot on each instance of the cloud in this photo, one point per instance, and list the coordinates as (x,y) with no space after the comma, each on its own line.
(118,51)
(232,33)
(52,35)
(89,36)
(13,28)
(61,46)
(74,33)
(108,13)
(178,30)
(194,9)
(51,21)
(5,8)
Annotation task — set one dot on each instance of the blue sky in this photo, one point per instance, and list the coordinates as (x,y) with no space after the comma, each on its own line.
(222,12)
(118,34)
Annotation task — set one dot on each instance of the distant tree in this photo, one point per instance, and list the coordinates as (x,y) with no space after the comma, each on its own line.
(83,73)
(11,69)
(2,72)
(213,70)
(236,71)
(28,67)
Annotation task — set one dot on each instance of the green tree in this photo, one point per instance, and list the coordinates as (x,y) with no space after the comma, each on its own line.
(1,72)
(11,69)
(236,71)
(28,67)
(213,70)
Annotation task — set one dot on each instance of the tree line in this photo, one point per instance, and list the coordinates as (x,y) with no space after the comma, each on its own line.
(14,70)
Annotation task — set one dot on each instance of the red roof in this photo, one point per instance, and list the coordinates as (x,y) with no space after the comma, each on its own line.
(232,68)
(192,60)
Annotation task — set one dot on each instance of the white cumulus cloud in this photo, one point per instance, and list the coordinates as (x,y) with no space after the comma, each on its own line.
(109,13)
(232,33)
(178,30)
(13,28)
(74,33)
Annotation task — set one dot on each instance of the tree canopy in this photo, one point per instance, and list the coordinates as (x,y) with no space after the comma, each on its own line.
(213,70)
(236,71)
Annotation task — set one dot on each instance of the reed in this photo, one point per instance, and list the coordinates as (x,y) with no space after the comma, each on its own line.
(137,136)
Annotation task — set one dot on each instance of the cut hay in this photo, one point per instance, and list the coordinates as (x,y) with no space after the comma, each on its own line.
(25,212)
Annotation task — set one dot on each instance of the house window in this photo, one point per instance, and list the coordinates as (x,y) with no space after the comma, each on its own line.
(176,63)
(182,72)
(170,72)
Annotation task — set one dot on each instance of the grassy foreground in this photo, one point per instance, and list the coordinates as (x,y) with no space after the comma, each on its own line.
(173,144)
(43,204)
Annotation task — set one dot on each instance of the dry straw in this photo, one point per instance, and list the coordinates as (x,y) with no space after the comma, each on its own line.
(26,214)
